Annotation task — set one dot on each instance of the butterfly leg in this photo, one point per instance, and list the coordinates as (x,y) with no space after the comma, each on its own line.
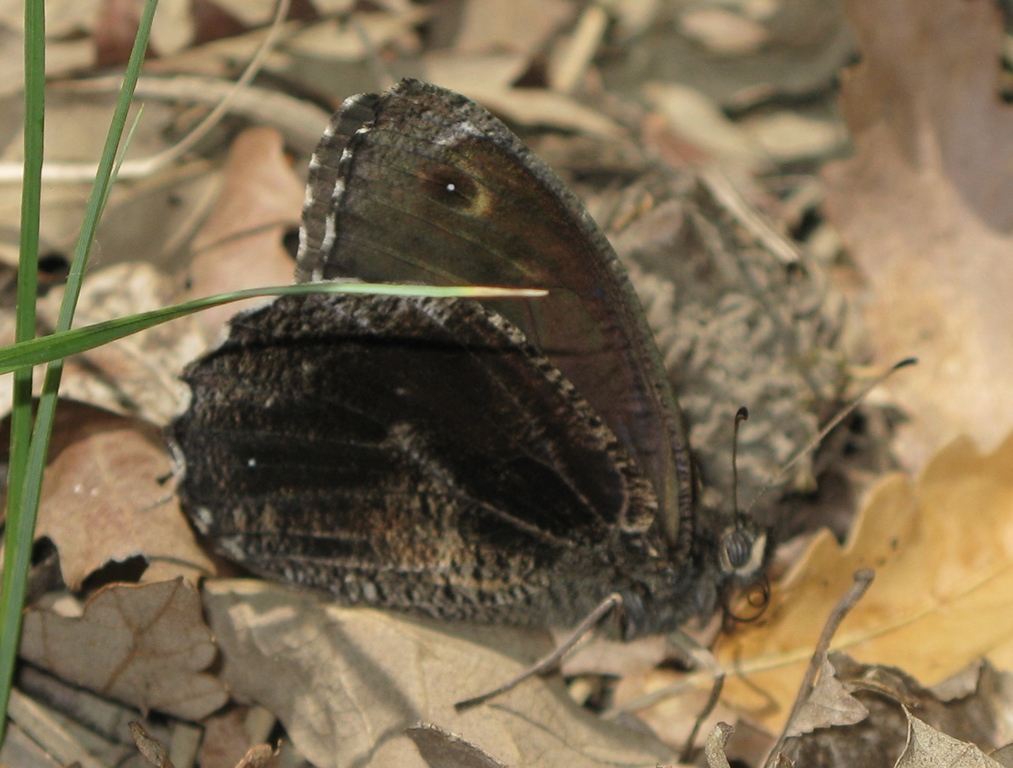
(550,662)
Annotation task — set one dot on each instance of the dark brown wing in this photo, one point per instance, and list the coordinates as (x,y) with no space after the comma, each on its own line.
(422,185)
(410,453)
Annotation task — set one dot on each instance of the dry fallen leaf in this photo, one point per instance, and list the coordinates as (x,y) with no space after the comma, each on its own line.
(524,26)
(441,749)
(143,645)
(240,245)
(829,703)
(352,37)
(942,550)
(928,747)
(926,209)
(976,714)
(523,106)
(722,30)
(696,118)
(347,682)
(138,374)
(103,499)
(714,747)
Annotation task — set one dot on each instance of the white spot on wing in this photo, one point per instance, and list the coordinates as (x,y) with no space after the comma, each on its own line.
(330,233)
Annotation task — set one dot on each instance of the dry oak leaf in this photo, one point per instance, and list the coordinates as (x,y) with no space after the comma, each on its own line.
(347,682)
(143,645)
(928,747)
(102,499)
(138,374)
(943,596)
(240,244)
(829,703)
(926,208)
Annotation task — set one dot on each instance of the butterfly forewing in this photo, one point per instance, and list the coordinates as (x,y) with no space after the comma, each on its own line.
(423,185)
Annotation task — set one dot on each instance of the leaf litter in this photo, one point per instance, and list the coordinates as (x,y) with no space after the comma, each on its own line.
(145,645)
(924,207)
(939,599)
(347,682)
(937,603)
(103,499)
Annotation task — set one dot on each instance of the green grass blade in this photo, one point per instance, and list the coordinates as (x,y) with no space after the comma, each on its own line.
(25,474)
(65,343)
(20,526)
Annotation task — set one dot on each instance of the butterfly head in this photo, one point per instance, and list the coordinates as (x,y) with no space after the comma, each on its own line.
(742,550)
(740,557)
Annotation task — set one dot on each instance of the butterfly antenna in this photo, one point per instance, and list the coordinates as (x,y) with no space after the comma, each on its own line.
(741,416)
(841,414)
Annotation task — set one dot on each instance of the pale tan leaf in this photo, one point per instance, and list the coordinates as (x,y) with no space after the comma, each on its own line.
(787,136)
(240,245)
(104,499)
(928,748)
(143,645)
(722,30)
(523,26)
(943,595)
(441,749)
(926,209)
(139,372)
(173,26)
(355,37)
(486,79)
(347,682)
(829,703)
(699,120)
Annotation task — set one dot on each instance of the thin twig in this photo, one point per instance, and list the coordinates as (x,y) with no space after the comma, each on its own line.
(862,580)
(551,661)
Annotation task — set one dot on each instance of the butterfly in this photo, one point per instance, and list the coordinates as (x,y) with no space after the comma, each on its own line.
(509,461)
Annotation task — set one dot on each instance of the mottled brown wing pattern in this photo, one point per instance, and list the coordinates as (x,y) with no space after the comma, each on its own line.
(395,449)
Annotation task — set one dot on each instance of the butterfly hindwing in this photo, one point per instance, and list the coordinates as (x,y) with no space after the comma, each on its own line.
(332,457)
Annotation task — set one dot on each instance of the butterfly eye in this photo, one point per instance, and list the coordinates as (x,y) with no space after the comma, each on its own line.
(741,551)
